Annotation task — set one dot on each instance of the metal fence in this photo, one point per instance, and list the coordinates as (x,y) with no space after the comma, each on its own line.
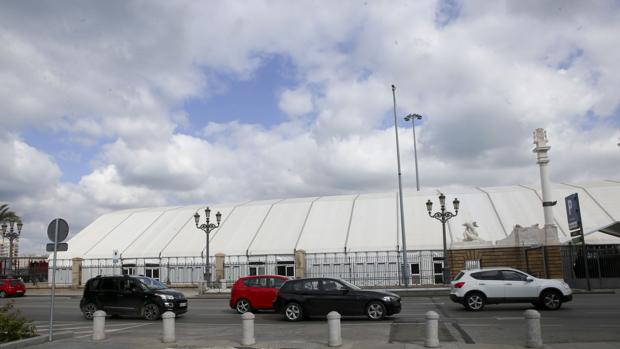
(603,263)
(368,269)
(379,268)
(30,269)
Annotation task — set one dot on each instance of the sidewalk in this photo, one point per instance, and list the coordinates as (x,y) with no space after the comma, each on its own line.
(112,343)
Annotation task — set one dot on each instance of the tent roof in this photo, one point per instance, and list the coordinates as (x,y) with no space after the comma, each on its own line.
(360,222)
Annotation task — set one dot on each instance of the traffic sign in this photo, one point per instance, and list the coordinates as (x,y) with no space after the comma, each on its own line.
(60,247)
(63,230)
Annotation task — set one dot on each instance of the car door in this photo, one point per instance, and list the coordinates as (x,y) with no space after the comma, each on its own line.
(130,296)
(257,292)
(105,295)
(334,296)
(517,288)
(310,293)
(490,282)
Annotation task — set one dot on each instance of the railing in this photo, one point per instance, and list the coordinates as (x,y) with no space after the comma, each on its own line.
(30,269)
(368,269)
(603,263)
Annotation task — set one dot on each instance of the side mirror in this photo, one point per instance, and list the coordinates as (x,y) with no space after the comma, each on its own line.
(529,279)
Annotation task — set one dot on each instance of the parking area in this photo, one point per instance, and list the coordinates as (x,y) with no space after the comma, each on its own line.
(590,318)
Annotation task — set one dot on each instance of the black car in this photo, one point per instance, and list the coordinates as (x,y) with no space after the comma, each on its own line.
(318,296)
(132,296)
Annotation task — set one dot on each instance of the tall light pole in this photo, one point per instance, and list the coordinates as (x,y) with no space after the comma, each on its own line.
(412,117)
(400,195)
(443,216)
(11,235)
(207,228)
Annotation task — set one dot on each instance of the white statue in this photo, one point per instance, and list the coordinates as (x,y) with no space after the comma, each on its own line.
(470,233)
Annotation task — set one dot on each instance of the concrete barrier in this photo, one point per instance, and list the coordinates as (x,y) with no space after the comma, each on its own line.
(99,325)
(534,335)
(167,320)
(334,336)
(431,339)
(247,326)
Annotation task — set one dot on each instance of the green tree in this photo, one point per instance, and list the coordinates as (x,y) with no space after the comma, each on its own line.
(7,215)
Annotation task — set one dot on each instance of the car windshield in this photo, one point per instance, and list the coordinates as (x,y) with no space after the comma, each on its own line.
(350,285)
(152,284)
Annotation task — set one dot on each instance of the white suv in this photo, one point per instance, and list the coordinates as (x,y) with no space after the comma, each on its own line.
(477,287)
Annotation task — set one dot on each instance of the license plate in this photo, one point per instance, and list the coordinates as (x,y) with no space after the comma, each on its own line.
(183,304)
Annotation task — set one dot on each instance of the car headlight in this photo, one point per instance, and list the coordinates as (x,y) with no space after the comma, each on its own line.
(389,299)
(165,296)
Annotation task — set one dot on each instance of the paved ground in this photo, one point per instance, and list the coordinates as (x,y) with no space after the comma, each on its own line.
(590,318)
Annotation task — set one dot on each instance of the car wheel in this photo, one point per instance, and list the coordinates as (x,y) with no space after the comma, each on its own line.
(474,301)
(375,310)
(151,312)
(243,306)
(293,312)
(89,311)
(551,300)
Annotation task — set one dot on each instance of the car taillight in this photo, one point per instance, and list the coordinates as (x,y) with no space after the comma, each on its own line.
(459,284)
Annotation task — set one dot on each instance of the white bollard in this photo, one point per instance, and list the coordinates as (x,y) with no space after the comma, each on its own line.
(333,329)
(99,325)
(534,335)
(247,325)
(432,334)
(167,320)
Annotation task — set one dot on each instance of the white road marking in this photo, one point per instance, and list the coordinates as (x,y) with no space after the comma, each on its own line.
(117,330)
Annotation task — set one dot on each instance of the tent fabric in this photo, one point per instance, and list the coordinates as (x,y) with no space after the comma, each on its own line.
(331,224)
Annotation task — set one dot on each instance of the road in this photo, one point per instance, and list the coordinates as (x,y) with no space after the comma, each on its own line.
(588,318)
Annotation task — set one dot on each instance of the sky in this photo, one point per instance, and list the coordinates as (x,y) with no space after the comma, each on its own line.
(109,105)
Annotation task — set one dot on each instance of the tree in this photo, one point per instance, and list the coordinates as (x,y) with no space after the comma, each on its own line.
(7,215)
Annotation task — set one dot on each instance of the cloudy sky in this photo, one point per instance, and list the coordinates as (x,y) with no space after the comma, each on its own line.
(107,105)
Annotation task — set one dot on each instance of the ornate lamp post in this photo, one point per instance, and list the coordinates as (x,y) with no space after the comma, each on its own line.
(412,118)
(11,234)
(207,228)
(443,216)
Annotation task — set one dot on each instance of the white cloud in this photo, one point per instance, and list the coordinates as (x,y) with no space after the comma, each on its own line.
(118,75)
(296,103)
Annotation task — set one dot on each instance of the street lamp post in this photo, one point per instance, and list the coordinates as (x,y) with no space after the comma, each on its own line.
(11,234)
(207,228)
(443,216)
(412,117)
(400,196)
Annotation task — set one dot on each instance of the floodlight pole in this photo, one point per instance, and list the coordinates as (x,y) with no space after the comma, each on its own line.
(400,195)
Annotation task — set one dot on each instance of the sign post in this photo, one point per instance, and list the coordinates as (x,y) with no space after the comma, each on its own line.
(573,213)
(57,231)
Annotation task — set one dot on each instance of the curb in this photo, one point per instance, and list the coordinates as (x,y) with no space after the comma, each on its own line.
(35,340)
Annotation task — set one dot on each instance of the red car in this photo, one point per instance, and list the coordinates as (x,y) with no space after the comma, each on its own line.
(12,287)
(255,292)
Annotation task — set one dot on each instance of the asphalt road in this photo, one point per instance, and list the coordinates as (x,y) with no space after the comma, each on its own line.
(588,318)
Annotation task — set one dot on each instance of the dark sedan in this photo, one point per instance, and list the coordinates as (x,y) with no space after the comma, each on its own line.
(318,296)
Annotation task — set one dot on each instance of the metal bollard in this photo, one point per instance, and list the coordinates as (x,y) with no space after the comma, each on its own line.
(99,325)
(432,335)
(247,325)
(534,335)
(167,320)
(333,329)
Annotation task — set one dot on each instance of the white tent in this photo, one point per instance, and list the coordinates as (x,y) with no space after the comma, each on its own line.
(364,222)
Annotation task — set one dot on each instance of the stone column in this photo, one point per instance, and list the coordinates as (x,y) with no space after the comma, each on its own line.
(219,268)
(541,149)
(76,272)
(300,264)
